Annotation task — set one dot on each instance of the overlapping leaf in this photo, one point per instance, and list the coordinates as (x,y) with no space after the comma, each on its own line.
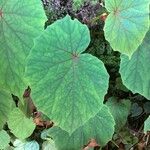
(20,22)
(135,72)
(26,145)
(4,139)
(5,107)
(147,125)
(21,126)
(126,24)
(120,111)
(67,86)
(100,128)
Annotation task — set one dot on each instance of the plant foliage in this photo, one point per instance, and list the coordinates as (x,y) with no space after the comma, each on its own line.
(126,24)
(71,81)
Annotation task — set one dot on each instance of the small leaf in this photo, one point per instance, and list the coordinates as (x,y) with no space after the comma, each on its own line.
(147,125)
(20,23)
(146,107)
(49,145)
(20,125)
(127,24)
(136,110)
(31,145)
(63,79)
(120,111)
(100,128)
(5,107)
(135,72)
(4,139)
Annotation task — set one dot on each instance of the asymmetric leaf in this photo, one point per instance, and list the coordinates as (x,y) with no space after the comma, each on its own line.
(147,125)
(127,24)
(4,139)
(100,128)
(135,72)
(20,22)
(19,125)
(5,107)
(68,86)
(120,111)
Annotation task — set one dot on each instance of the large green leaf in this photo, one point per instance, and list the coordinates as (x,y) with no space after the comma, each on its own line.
(120,111)
(126,24)
(4,139)
(20,125)
(135,72)
(20,22)
(5,107)
(67,86)
(147,125)
(100,128)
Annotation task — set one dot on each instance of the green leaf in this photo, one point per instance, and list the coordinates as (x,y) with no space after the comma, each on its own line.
(20,125)
(135,72)
(127,24)
(68,86)
(120,111)
(101,128)
(26,145)
(4,139)
(49,145)
(147,125)
(5,107)
(32,145)
(20,23)
(136,110)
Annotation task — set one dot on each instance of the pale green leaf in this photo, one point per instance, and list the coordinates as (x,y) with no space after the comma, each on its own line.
(68,86)
(20,125)
(20,22)
(135,72)
(127,24)
(5,107)
(32,145)
(49,145)
(100,128)
(120,111)
(147,125)
(4,139)
(26,145)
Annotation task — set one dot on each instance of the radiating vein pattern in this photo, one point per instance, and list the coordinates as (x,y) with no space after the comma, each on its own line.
(127,24)
(62,78)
